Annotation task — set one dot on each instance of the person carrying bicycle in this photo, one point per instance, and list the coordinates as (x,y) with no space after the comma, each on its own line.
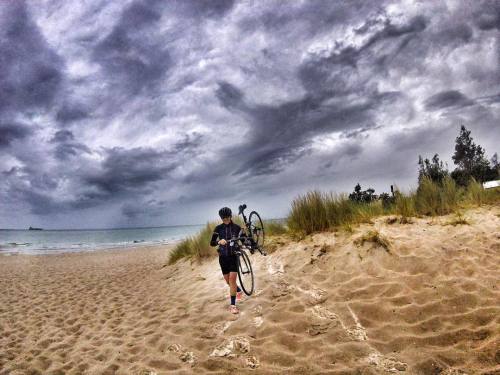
(227,259)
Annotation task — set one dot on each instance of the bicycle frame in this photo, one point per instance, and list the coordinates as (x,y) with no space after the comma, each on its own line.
(241,211)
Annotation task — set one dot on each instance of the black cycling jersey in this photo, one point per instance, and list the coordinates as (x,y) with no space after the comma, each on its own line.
(226,232)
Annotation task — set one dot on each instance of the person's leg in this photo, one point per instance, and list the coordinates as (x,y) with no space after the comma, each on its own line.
(227,267)
(232,287)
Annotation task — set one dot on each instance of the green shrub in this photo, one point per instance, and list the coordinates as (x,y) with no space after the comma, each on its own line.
(451,195)
(405,206)
(437,198)
(459,219)
(340,209)
(308,213)
(375,237)
(492,196)
(181,250)
(316,211)
(475,193)
(197,246)
(427,198)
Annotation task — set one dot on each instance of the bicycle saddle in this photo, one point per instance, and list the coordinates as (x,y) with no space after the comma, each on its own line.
(241,208)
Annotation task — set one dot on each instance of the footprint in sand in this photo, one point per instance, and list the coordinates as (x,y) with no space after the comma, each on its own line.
(281,288)
(257,310)
(188,357)
(257,321)
(274,266)
(321,320)
(216,330)
(252,362)
(315,296)
(232,347)
(184,355)
(386,364)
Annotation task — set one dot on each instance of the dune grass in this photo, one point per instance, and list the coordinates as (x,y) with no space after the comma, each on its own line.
(434,199)
(317,211)
(459,219)
(196,247)
(374,237)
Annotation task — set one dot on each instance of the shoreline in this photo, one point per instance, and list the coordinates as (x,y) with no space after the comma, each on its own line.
(40,252)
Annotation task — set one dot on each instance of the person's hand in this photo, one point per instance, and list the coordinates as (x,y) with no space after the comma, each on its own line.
(222,242)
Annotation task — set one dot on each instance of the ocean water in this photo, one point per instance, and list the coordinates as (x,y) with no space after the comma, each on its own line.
(53,241)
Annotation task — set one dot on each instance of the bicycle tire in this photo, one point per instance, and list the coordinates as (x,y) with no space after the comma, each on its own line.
(245,273)
(256,229)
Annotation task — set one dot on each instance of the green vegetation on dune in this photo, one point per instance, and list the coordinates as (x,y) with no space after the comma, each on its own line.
(316,211)
(197,246)
(438,193)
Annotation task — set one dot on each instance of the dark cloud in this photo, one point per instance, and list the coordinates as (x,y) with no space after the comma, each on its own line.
(10,132)
(30,71)
(66,146)
(488,16)
(66,150)
(201,8)
(337,73)
(445,99)
(70,113)
(280,135)
(63,136)
(308,18)
(229,95)
(134,109)
(124,170)
(151,207)
(131,58)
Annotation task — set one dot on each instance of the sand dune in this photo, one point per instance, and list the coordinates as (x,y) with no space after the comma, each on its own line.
(428,304)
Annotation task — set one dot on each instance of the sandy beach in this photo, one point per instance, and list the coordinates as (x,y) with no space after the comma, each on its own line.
(428,304)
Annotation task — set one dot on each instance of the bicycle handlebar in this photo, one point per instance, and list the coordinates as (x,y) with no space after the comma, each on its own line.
(243,239)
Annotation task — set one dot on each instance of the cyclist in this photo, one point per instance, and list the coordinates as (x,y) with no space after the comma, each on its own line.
(227,260)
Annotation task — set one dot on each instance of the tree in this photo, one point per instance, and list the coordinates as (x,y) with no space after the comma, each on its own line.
(469,159)
(435,170)
(467,153)
(362,196)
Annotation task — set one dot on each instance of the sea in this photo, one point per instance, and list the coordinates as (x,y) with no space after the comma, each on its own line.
(33,242)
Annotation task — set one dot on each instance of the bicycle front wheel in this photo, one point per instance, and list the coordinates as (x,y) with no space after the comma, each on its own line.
(245,273)
(256,229)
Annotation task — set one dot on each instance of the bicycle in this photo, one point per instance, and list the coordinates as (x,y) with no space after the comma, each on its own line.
(255,241)
(255,228)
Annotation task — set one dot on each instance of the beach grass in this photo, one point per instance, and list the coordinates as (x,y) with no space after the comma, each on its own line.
(197,247)
(374,237)
(459,219)
(318,211)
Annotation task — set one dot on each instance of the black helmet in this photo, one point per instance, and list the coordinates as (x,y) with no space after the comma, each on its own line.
(225,212)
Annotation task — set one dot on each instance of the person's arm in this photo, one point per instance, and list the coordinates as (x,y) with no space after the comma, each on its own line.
(213,241)
(242,232)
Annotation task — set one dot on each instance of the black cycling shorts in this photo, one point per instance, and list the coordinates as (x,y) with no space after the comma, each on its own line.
(228,264)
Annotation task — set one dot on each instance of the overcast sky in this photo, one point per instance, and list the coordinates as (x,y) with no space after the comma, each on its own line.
(137,113)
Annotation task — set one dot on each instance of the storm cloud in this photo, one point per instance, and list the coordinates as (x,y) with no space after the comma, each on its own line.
(158,113)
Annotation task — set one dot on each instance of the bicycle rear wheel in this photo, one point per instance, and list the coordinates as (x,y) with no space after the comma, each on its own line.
(256,229)
(245,273)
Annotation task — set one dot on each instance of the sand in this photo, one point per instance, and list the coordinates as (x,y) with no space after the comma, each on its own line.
(428,304)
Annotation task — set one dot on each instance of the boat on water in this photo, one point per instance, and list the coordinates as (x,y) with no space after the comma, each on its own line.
(33,228)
